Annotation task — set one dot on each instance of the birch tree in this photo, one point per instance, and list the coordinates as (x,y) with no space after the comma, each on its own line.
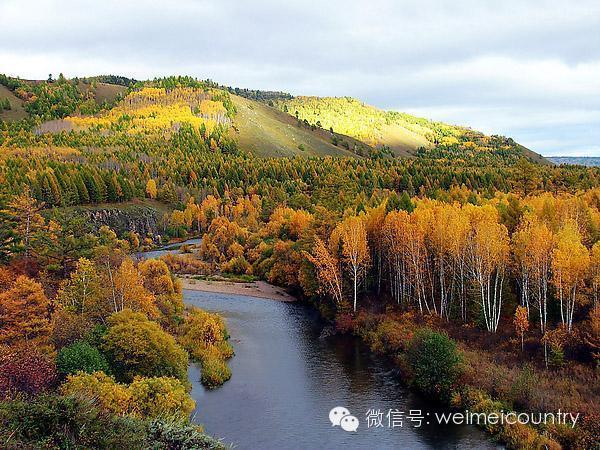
(570,264)
(355,251)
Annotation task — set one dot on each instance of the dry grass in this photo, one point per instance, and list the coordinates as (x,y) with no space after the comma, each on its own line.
(17,112)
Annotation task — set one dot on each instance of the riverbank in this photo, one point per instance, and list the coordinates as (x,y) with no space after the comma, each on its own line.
(485,380)
(258,289)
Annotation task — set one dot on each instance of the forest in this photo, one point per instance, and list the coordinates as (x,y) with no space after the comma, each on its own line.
(473,265)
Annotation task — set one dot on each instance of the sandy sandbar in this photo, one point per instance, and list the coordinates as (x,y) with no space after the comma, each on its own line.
(260,289)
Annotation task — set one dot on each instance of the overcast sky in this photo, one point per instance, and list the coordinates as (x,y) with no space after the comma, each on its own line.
(523,68)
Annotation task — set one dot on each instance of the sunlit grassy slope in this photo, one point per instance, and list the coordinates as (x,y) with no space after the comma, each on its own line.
(268,132)
(108,92)
(404,134)
(16,111)
(401,132)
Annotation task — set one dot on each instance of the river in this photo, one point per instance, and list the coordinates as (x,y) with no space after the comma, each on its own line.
(286,379)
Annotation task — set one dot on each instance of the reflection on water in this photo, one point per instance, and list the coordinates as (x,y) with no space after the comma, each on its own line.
(285,381)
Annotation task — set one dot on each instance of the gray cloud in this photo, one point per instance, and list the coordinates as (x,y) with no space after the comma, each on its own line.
(530,70)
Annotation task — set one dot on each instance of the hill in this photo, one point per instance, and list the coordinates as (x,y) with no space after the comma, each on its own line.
(162,107)
(403,134)
(266,123)
(268,132)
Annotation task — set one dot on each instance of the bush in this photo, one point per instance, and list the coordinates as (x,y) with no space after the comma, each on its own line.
(237,266)
(205,337)
(137,346)
(390,337)
(25,371)
(144,398)
(67,422)
(68,327)
(521,436)
(77,423)
(215,371)
(434,361)
(160,397)
(80,357)
(523,387)
(173,435)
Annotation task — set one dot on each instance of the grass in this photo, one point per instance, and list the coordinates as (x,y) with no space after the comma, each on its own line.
(108,92)
(268,132)
(226,277)
(17,112)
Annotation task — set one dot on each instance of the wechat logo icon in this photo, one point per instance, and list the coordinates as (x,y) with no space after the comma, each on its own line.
(340,416)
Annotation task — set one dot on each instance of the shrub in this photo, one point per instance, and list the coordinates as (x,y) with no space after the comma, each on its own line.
(205,337)
(523,387)
(215,371)
(144,398)
(344,323)
(237,265)
(95,335)
(519,436)
(390,337)
(77,423)
(68,327)
(434,361)
(25,371)
(108,394)
(67,422)
(160,397)
(137,346)
(174,435)
(80,357)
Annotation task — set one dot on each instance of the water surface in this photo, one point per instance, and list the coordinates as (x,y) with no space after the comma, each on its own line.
(286,379)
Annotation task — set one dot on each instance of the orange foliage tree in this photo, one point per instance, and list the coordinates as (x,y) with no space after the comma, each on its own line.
(328,271)
(24,313)
(521,322)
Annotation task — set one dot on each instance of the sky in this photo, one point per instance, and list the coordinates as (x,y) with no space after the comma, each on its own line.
(529,69)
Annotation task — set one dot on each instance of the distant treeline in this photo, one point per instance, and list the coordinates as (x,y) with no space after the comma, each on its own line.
(268,97)
(114,79)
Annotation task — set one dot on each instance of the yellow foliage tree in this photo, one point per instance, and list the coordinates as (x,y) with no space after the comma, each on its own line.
(151,189)
(488,255)
(570,264)
(521,322)
(80,293)
(595,271)
(131,292)
(355,251)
